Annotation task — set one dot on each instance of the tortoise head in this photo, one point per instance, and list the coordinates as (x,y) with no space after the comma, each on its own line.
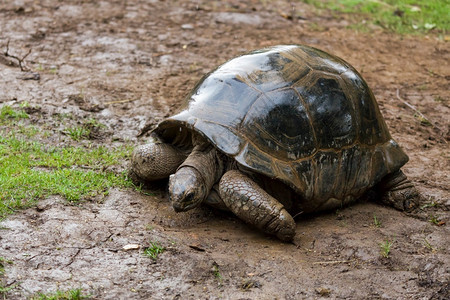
(187,189)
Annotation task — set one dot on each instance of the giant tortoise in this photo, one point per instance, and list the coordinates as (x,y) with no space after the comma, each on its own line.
(274,133)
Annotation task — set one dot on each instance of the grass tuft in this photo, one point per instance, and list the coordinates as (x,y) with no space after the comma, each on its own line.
(85,130)
(77,133)
(4,289)
(435,220)
(8,113)
(3,262)
(154,250)
(376,221)
(73,294)
(386,248)
(428,245)
(216,271)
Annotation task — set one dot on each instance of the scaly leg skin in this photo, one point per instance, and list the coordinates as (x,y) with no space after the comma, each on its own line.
(252,204)
(155,160)
(400,193)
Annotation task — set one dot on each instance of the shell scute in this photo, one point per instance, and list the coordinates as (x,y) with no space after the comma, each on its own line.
(264,70)
(253,159)
(221,99)
(327,168)
(287,138)
(330,110)
(362,173)
(371,126)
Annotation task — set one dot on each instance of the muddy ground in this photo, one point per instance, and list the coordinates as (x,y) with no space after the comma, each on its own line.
(128,64)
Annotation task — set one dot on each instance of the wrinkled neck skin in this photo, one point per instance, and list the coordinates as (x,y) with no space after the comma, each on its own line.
(192,182)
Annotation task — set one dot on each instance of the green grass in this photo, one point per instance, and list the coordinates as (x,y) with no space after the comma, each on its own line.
(428,245)
(403,16)
(386,248)
(78,133)
(154,250)
(3,262)
(84,130)
(7,113)
(30,170)
(73,294)
(376,221)
(434,220)
(216,271)
(430,204)
(3,289)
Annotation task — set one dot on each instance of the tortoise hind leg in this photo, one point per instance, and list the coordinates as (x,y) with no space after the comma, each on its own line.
(252,204)
(155,160)
(399,192)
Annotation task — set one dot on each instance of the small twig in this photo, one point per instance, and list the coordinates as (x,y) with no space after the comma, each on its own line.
(413,108)
(21,61)
(331,262)
(422,116)
(72,259)
(87,167)
(7,48)
(197,248)
(120,101)
(296,215)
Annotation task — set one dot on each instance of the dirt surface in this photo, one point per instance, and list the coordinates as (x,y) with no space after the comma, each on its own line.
(130,65)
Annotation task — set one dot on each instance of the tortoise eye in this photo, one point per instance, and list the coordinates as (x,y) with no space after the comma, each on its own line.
(189,197)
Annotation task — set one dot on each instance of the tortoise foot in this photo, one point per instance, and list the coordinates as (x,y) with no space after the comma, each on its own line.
(252,204)
(400,193)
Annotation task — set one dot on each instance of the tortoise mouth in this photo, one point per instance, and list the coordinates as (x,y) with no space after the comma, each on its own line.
(188,202)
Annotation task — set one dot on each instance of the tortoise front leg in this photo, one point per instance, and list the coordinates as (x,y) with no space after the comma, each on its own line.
(255,206)
(399,192)
(156,160)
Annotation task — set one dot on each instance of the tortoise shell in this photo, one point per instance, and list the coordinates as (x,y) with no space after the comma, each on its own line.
(296,114)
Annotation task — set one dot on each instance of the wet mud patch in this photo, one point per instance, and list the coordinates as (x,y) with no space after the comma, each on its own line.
(56,245)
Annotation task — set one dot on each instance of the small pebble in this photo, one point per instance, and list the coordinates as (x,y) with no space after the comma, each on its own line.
(187,26)
(131,247)
(29,76)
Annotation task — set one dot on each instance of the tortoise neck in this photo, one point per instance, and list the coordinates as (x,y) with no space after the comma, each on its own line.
(396,181)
